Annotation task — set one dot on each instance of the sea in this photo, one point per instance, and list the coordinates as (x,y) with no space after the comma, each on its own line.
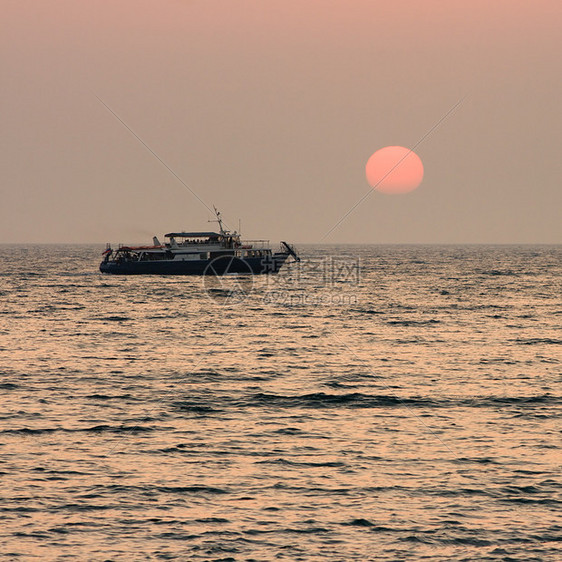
(371,402)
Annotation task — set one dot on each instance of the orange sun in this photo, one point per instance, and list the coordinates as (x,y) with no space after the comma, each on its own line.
(394,169)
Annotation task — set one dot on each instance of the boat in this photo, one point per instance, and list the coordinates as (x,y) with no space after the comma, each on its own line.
(198,253)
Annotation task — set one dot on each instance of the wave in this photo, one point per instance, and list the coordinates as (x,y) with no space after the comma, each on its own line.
(110,397)
(211,406)
(8,386)
(113,318)
(94,429)
(325,400)
(360,400)
(430,322)
(537,341)
(285,462)
(190,490)
(496,272)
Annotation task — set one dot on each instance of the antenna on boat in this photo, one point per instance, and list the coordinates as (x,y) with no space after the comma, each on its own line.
(219,220)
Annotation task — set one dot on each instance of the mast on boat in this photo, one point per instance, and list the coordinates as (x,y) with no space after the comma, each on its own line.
(219,221)
(223,231)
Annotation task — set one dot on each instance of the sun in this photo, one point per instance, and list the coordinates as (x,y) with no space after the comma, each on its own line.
(394,169)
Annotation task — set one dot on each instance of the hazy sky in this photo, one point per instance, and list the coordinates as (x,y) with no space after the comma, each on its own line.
(270,109)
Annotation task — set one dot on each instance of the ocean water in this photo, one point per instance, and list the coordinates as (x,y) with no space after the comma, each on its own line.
(372,403)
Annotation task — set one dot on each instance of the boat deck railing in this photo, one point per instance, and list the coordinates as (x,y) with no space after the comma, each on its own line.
(256,244)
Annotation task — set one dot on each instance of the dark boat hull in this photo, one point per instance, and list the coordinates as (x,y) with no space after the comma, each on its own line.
(219,266)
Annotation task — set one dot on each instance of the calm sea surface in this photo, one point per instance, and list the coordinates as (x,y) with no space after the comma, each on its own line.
(374,403)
